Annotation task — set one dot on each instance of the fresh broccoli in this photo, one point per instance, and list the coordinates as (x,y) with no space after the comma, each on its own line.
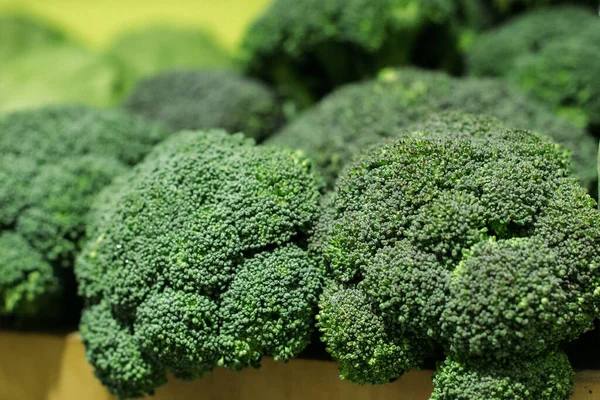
(463,234)
(205,100)
(158,48)
(59,74)
(548,377)
(506,8)
(308,48)
(20,34)
(200,262)
(361,114)
(53,161)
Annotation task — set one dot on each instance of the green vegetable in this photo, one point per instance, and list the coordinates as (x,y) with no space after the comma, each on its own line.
(199,261)
(207,99)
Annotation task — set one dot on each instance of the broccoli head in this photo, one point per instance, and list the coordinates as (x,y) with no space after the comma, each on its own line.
(53,161)
(307,48)
(205,100)
(547,377)
(200,263)
(20,34)
(150,50)
(463,234)
(59,74)
(362,114)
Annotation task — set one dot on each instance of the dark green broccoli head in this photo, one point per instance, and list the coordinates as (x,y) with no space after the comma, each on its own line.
(362,114)
(307,48)
(482,245)
(200,262)
(564,75)
(547,377)
(494,52)
(205,100)
(21,34)
(53,162)
(148,51)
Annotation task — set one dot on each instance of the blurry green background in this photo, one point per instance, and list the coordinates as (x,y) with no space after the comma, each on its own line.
(96,23)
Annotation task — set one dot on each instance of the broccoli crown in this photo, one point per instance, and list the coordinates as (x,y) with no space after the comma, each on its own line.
(53,161)
(563,74)
(470,236)
(547,377)
(494,52)
(20,34)
(200,262)
(158,48)
(59,74)
(361,114)
(205,100)
(307,48)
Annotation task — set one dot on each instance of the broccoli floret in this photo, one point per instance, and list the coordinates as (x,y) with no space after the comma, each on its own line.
(563,74)
(202,260)
(464,234)
(59,74)
(20,34)
(150,50)
(548,377)
(53,161)
(494,52)
(358,115)
(205,100)
(308,48)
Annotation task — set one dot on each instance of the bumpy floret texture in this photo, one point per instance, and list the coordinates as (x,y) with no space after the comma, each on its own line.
(471,236)
(59,74)
(201,262)
(158,48)
(21,34)
(53,161)
(548,377)
(185,99)
(358,115)
(307,48)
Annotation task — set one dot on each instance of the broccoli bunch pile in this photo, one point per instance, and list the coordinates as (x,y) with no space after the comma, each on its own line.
(307,48)
(186,99)
(158,48)
(467,235)
(199,261)
(53,161)
(361,114)
(550,53)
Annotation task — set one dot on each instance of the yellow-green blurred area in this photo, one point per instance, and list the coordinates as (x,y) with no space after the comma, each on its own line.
(96,23)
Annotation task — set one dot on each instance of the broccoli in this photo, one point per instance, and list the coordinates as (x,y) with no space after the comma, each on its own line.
(548,377)
(207,99)
(53,161)
(150,50)
(59,74)
(462,234)
(361,114)
(308,48)
(21,34)
(199,262)
(505,8)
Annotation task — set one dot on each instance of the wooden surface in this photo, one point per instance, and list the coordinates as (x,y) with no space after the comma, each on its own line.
(47,367)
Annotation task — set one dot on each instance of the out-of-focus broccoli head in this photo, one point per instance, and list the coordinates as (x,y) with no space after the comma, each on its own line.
(308,48)
(207,99)
(463,234)
(564,75)
(20,34)
(362,114)
(201,262)
(59,74)
(547,377)
(494,52)
(148,51)
(53,161)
